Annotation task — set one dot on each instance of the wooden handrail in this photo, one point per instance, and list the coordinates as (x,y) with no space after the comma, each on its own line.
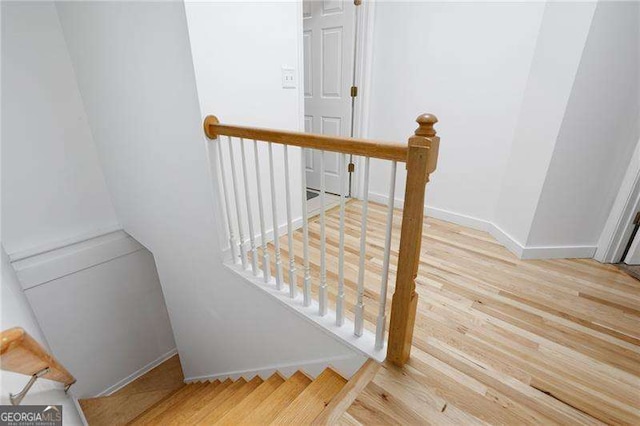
(385,150)
(420,156)
(21,353)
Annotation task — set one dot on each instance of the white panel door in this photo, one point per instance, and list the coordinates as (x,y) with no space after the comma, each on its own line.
(328,41)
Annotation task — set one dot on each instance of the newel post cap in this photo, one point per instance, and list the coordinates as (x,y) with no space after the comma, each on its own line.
(425,125)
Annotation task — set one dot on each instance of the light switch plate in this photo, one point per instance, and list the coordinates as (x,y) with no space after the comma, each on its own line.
(289,78)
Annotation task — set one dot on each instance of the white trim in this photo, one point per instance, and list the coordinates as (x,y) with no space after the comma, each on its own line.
(510,243)
(282,230)
(364,64)
(618,227)
(138,373)
(364,344)
(506,240)
(345,365)
(437,213)
(49,265)
(83,419)
(300,66)
(44,248)
(558,252)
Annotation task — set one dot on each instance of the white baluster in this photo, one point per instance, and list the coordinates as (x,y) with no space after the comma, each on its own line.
(322,302)
(266,267)
(227,207)
(382,307)
(247,198)
(340,298)
(306,288)
(274,208)
(359,309)
(292,261)
(234,179)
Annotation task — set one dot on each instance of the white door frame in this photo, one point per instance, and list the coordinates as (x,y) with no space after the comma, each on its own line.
(618,228)
(363,64)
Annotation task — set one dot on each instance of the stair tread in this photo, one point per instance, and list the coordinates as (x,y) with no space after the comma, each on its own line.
(205,404)
(312,400)
(186,408)
(151,415)
(237,414)
(348,394)
(120,409)
(167,375)
(268,409)
(217,409)
(136,397)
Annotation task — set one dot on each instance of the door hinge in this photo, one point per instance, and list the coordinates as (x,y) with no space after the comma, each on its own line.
(636,220)
(351,168)
(354,91)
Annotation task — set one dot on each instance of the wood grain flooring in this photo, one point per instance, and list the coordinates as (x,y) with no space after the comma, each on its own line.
(498,340)
(122,406)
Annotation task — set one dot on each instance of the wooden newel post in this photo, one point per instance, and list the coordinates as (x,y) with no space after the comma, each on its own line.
(421,161)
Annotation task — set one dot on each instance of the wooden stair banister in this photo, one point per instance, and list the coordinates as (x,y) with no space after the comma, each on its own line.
(364,147)
(21,353)
(420,156)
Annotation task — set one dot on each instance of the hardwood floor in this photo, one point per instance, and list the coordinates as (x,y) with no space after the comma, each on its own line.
(124,405)
(498,340)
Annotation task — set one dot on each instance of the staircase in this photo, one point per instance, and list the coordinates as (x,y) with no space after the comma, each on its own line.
(156,398)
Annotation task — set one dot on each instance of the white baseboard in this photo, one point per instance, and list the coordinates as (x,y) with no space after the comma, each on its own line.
(457,218)
(510,243)
(282,230)
(76,403)
(345,365)
(506,240)
(140,372)
(559,252)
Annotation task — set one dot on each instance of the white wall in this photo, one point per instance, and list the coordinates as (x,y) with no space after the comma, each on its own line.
(467,63)
(57,215)
(100,304)
(16,312)
(241,83)
(546,96)
(599,132)
(135,72)
(52,185)
(538,110)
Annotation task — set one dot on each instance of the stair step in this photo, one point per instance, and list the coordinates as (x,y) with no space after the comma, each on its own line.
(153,414)
(284,395)
(237,414)
(120,409)
(216,410)
(167,375)
(312,400)
(129,402)
(187,408)
(208,403)
(349,392)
